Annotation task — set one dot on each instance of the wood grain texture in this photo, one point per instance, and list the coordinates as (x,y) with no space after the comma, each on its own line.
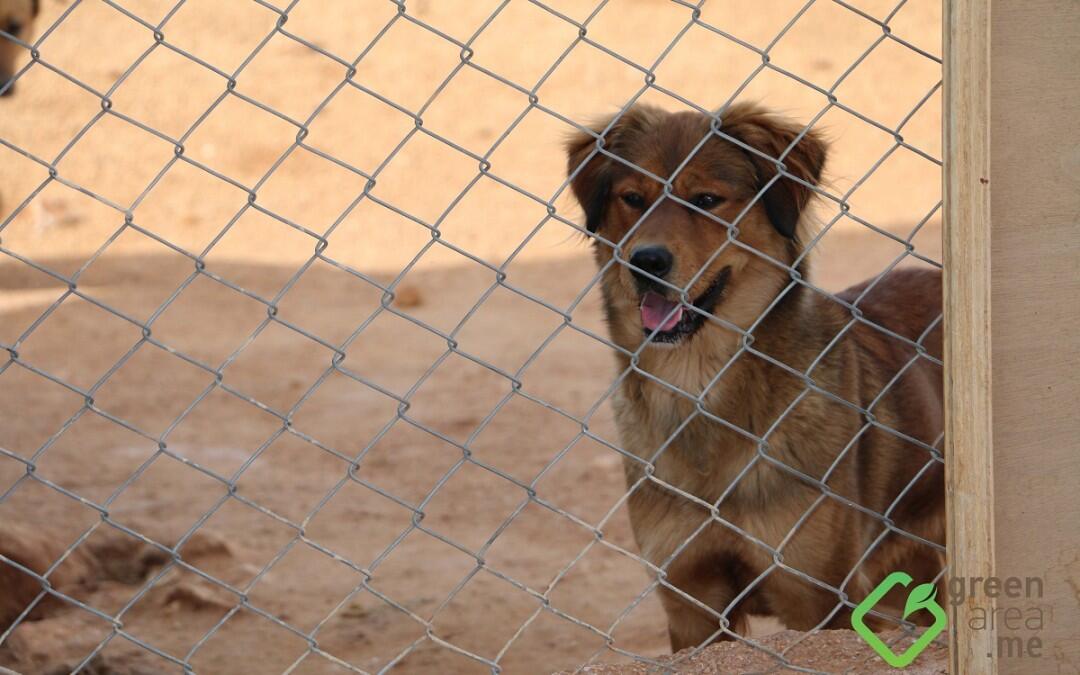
(969,466)
(1035,153)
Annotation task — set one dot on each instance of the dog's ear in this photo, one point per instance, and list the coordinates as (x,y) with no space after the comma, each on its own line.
(591,170)
(590,173)
(771,135)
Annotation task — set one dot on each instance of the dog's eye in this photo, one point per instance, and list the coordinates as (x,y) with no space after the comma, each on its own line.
(13,28)
(634,200)
(706,201)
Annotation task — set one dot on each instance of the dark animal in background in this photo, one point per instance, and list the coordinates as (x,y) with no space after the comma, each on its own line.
(16,17)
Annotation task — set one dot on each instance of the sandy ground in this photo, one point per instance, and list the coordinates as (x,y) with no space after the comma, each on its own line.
(297,543)
(828,650)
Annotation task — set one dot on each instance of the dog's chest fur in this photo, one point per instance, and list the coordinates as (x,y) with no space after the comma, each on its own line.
(693,454)
(701,442)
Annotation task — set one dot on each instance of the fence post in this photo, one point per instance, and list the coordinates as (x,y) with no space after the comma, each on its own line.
(968,431)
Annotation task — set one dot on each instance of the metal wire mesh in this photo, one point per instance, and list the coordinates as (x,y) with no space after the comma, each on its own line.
(338,365)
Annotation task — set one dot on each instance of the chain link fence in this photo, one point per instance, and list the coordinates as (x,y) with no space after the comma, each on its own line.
(40,427)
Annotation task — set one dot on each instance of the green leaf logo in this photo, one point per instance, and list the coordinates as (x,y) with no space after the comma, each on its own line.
(920,597)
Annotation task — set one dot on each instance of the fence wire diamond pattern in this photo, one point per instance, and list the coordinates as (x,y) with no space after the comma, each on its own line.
(338,365)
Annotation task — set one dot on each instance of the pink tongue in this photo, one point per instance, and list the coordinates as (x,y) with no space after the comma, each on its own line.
(657,313)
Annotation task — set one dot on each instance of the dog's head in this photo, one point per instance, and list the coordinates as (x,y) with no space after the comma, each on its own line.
(671,241)
(15,19)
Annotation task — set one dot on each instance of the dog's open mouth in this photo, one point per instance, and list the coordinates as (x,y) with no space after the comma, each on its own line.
(670,321)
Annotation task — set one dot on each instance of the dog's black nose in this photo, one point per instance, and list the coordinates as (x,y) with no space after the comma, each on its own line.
(656,260)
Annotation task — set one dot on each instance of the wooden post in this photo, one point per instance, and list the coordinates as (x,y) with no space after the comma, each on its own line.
(969,466)
(1012,268)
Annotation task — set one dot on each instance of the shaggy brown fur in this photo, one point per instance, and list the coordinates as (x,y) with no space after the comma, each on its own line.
(15,19)
(767,496)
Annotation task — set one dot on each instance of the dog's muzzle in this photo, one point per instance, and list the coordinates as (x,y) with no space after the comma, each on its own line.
(670,321)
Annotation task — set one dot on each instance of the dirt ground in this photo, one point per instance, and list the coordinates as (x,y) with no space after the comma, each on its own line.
(163,442)
(827,650)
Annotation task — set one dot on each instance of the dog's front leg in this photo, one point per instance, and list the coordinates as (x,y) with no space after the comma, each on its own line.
(689,625)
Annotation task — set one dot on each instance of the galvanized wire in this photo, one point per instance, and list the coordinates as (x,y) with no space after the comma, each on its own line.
(500,280)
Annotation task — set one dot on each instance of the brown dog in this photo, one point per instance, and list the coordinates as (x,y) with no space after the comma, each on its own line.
(15,19)
(773,424)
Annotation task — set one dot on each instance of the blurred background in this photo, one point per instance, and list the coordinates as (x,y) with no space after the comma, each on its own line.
(267,319)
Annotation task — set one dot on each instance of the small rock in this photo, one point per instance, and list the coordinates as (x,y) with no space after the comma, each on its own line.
(196,596)
(52,212)
(34,549)
(406,296)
